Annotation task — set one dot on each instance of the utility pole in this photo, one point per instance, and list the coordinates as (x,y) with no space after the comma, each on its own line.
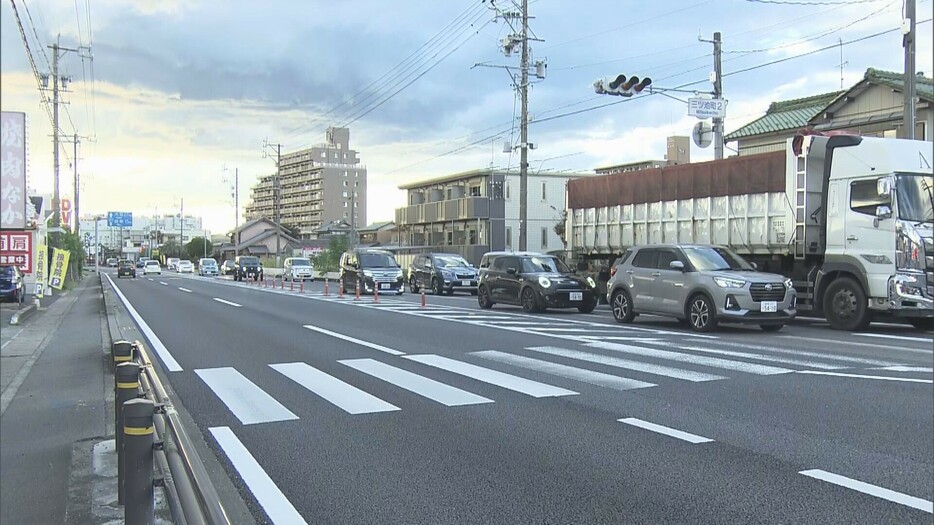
(910,92)
(275,194)
(524,132)
(181,228)
(717,94)
(353,219)
(77,188)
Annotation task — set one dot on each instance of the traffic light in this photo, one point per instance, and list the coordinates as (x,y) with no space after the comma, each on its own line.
(621,86)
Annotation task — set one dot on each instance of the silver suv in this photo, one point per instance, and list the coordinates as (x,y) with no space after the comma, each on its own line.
(701,285)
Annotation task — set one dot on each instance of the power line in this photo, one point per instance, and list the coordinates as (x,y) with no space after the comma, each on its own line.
(812,2)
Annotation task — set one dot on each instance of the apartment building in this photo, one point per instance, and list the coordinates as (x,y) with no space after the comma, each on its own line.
(146,229)
(318,185)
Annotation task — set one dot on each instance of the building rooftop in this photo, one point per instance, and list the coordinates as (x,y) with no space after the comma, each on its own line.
(464,175)
(785,115)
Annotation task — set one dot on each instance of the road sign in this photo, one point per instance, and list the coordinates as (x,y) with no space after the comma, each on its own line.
(707,107)
(119,219)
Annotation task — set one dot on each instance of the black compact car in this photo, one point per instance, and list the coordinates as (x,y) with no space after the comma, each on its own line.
(442,272)
(371,270)
(535,282)
(247,267)
(12,286)
(126,268)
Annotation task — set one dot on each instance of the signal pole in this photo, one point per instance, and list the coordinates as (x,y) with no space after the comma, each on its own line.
(910,92)
(716,78)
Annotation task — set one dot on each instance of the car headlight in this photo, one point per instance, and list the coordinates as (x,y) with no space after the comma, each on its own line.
(544,282)
(367,273)
(591,283)
(399,274)
(724,282)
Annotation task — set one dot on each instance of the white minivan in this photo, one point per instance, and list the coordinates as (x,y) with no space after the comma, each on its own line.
(300,268)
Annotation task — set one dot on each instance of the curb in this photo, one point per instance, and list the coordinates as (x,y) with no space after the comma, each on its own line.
(24,313)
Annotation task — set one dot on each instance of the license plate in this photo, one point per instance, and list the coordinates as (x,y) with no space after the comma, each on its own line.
(384,286)
(577,296)
(465,283)
(769,306)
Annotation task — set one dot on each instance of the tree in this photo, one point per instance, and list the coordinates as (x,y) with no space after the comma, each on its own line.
(560,227)
(329,259)
(199,247)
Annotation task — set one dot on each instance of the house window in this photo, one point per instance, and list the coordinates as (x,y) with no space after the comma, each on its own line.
(324,155)
(356,183)
(345,194)
(345,155)
(449,238)
(345,204)
(475,191)
(508,237)
(345,173)
(472,237)
(544,234)
(543,192)
(345,184)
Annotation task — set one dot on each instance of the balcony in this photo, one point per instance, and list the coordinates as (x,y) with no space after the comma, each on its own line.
(465,208)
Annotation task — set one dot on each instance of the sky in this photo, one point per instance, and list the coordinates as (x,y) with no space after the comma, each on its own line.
(172,97)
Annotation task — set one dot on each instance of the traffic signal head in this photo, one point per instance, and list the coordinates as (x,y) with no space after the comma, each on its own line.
(622,85)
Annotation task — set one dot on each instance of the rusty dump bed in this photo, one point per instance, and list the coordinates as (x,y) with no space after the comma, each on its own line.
(762,173)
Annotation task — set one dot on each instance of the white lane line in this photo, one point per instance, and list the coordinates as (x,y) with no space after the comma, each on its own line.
(859,376)
(184,289)
(899,337)
(472,318)
(354,340)
(570,372)
(507,381)
(250,403)
(900,368)
(747,355)
(872,490)
(637,338)
(440,392)
(167,360)
(854,343)
(227,302)
(648,368)
(739,366)
(802,353)
(564,329)
(267,494)
(346,397)
(668,431)
(150,280)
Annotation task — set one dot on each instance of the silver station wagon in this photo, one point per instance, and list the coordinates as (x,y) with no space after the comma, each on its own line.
(701,285)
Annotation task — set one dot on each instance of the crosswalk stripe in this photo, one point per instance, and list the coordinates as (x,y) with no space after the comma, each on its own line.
(346,397)
(746,355)
(637,338)
(474,318)
(648,368)
(360,342)
(564,329)
(804,353)
(434,390)
(248,402)
(493,377)
(739,366)
(579,374)
(668,431)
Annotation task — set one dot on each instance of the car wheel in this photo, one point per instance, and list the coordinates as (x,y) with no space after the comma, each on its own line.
(923,323)
(413,285)
(771,327)
(436,287)
(529,300)
(702,313)
(845,305)
(588,307)
(622,306)
(483,298)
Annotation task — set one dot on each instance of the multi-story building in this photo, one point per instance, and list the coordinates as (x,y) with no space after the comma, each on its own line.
(678,152)
(146,231)
(317,185)
(477,211)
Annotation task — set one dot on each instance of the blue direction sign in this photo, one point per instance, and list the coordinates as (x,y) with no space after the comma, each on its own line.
(119,219)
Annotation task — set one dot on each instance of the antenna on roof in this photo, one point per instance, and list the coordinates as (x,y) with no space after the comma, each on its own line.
(842,63)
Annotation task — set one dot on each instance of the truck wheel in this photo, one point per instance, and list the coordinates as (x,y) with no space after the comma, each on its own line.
(622,307)
(702,314)
(923,323)
(845,305)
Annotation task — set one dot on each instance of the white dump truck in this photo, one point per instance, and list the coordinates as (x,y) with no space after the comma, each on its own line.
(849,219)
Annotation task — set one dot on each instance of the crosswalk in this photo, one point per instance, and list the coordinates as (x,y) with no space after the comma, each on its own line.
(535,372)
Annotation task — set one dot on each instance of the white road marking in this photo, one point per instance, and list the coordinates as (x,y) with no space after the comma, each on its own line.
(250,403)
(360,342)
(872,490)
(167,360)
(184,289)
(802,353)
(648,368)
(163,283)
(746,355)
(668,431)
(854,343)
(279,509)
(578,374)
(859,376)
(227,302)
(739,366)
(346,397)
(507,381)
(636,338)
(565,329)
(900,368)
(10,340)
(899,337)
(150,280)
(440,392)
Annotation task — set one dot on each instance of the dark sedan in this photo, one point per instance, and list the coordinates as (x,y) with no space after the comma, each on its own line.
(535,282)
(126,268)
(12,286)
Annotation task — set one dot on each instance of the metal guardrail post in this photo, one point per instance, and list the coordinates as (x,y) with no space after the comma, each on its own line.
(138,432)
(126,388)
(122,352)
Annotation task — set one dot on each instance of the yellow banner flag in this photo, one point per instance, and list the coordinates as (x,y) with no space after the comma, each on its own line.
(59,267)
(42,264)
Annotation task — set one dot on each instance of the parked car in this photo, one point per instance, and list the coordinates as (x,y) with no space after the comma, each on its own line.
(12,285)
(228,267)
(171,263)
(207,267)
(701,285)
(152,266)
(442,272)
(185,266)
(112,262)
(535,282)
(370,269)
(126,268)
(299,268)
(247,267)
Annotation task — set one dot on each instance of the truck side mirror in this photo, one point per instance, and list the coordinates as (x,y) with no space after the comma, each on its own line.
(884,187)
(883,212)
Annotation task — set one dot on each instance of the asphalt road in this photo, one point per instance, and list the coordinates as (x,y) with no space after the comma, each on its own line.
(335,410)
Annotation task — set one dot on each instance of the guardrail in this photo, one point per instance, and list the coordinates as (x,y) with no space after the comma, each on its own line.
(189,491)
